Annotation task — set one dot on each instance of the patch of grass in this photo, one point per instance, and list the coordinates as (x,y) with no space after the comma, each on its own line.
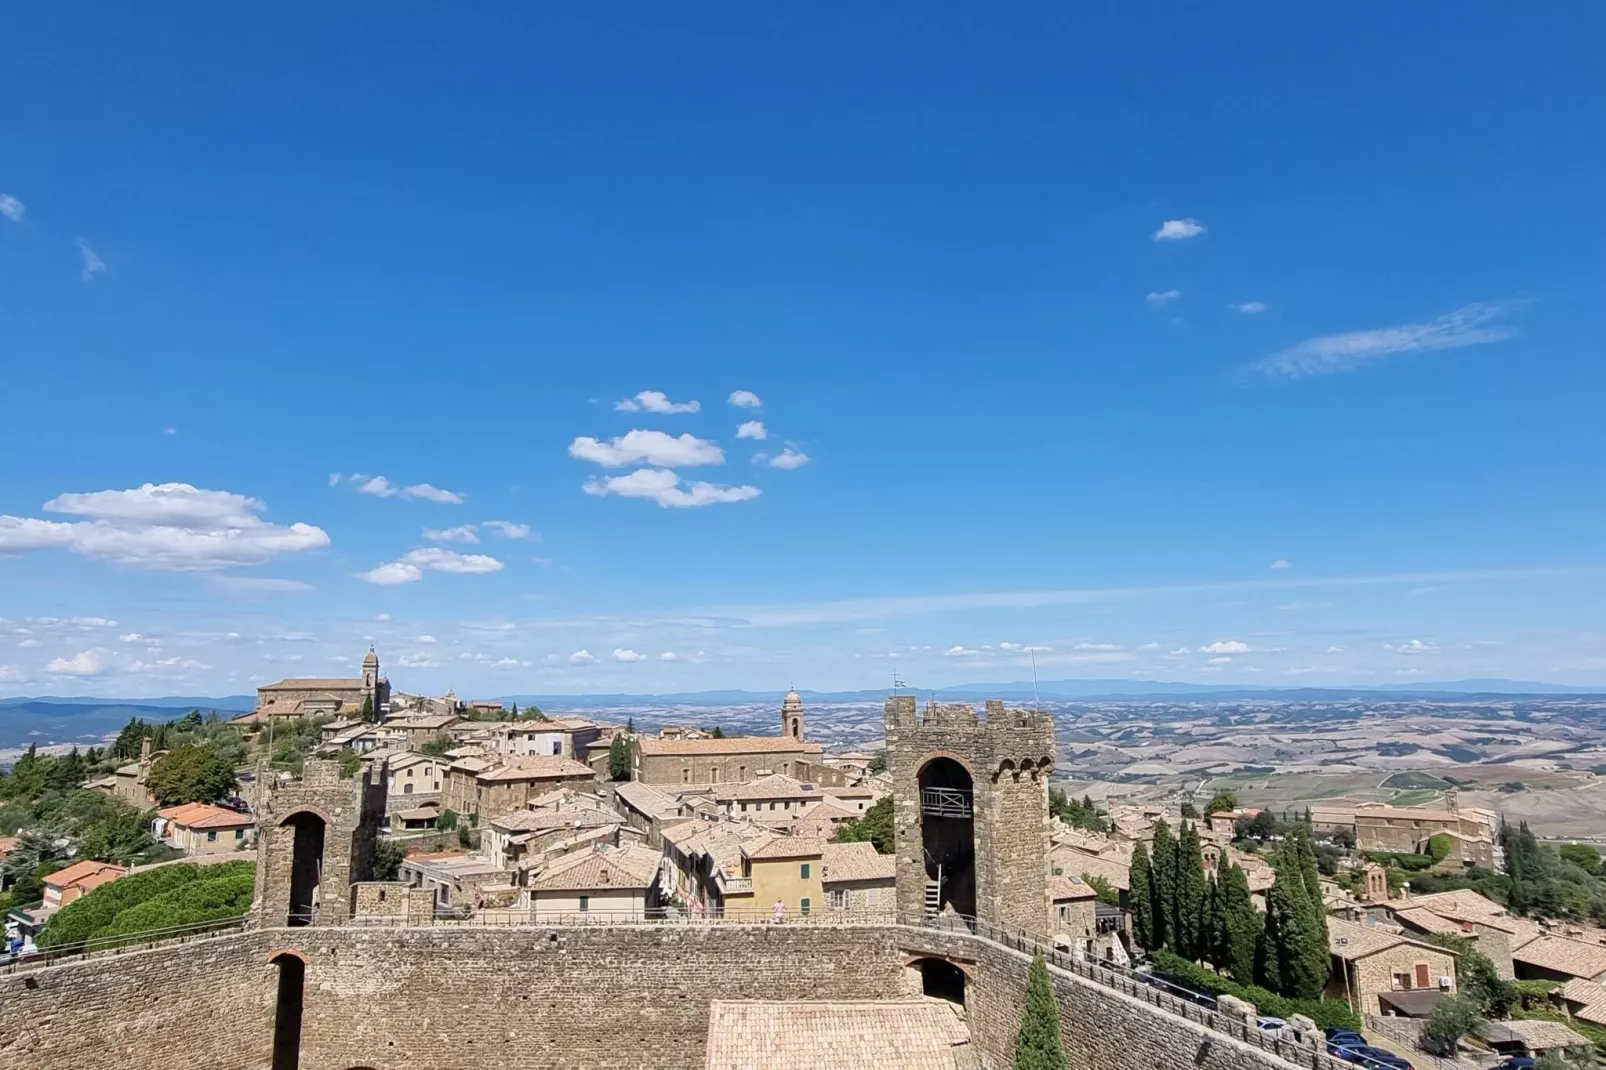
(1414,779)
(1414,798)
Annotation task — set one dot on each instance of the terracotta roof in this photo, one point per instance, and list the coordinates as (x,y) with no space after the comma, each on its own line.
(1561,955)
(422,721)
(855,862)
(587,872)
(1079,865)
(314,683)
(646,798)
(1060,888)
(728,745)
(921,1034)
(790,847)
(536,821)
(79,872)
(1349,941)
(7,845)
(1461,902)
(537,767)
(774,786)
(826,810)
(1426,920)
(1538,1034)
(205,816)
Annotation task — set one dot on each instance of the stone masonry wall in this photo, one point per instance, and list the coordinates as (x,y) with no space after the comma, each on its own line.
(206,1005)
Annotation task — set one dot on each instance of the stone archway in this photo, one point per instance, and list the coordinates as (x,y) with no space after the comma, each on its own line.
(306,864)
(947,836)
(287,1008)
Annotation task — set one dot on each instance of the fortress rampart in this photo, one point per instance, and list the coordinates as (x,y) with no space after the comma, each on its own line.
(569,998)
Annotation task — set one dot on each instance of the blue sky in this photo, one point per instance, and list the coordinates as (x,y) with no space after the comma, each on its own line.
(1256,346)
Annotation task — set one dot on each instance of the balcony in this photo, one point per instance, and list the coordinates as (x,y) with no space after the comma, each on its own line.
(945,802)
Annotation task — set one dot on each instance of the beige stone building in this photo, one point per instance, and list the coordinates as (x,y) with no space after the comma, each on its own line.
(787,870)
(203,829)
(1371,966)
(604,883)
(728,761)
(416,729)
(311,696)
(75,881)
(858,880)
(486,788)
(412,779)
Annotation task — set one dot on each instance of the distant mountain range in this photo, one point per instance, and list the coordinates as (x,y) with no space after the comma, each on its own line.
(50,719)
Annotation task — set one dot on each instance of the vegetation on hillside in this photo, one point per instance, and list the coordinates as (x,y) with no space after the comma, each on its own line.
(160,898)
(874,826)
(1081,814)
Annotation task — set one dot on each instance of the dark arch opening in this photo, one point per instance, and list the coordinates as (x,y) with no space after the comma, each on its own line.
(947,833)
(797,729)
(942,979)
(306,865)
(287,1012)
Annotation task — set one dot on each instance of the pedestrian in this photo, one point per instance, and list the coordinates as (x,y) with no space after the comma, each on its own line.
(780,911)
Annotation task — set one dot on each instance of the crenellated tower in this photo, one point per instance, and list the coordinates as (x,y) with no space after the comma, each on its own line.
(315,836)
(970,800)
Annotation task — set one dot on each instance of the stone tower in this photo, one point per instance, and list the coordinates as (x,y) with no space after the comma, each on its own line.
(315,836)
(971,811)
(792,716)
(370,681)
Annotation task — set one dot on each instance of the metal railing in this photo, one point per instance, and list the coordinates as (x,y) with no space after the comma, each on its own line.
(124,942)
(945,802)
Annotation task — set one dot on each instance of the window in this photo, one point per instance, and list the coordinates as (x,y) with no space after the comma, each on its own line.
(557,746)
(585,904)
(239,834)
(1422,975)
(871,895)
(803,907)
(407,789)
(211,837)
(772,806)
(804,875)
(838,898)
(685,776)
(1402,981)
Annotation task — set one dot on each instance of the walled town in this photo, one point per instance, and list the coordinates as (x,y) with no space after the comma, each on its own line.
(402,880)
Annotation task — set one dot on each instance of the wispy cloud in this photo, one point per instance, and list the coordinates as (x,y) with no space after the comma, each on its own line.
(380,487)
(744,399)
(411,566)
(92,263)
(647,447)
(1334,353)
(1163,297)
(12,208)
(753,429)
(1177,229)
(789,458)
(667,489)
(1249,307)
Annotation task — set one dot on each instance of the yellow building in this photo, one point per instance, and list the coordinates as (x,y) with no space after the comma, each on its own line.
(786,876)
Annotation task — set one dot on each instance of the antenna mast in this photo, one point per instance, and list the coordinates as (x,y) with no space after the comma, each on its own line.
(1037,700)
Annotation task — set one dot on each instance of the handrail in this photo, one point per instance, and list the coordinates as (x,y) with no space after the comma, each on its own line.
(123,942)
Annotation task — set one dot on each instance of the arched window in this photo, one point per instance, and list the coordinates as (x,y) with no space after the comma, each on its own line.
(947,834)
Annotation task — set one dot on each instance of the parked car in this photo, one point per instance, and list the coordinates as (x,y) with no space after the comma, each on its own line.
(1368,1056)
(1517,1062)
(1270,1026)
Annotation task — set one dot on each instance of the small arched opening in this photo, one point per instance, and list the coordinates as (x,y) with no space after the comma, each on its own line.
(942,979)
(797,728)
(287,1011)
(947,834)
(306,864)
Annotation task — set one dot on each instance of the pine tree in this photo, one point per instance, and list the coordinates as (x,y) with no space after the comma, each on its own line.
(1190,910)
(367,714)
(1037,1046)
(1240,927)
(1164,886)
(1141,898)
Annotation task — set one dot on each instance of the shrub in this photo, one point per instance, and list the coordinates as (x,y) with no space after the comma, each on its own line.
(228,896)
(1324,1012)
(119,907)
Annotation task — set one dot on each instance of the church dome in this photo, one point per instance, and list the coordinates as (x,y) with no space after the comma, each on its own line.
(372,660)
(792,699)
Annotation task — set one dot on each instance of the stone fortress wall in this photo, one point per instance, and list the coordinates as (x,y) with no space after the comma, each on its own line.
(312,988)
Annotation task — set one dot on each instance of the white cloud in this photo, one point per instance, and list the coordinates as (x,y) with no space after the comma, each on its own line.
(1163,297)
(509,663)
(1220,661)
(957,651)
(411,566)
(789,458)
(29,644)
(509,530)
(141,640)
(1226,646)
(753,429)
(1179,652)
(380,487)
(582,657)
(383,617)
(463,533)
(1413,648)
(11,674)
(655,401)
(621,654)
(1177,229)
(1098,646)
(87,663)
(1249,308)
(1017,648)
(1334,650)
(669,655)
(427,640)
(92,263)
(745,399)
(1334,353)
(169,430)
(167,665)
(667,489)
(417,661)
(1280,563)
(647,447)
(334,479)
(170,526)
(12,208)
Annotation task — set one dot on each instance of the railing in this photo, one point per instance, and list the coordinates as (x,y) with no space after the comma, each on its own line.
(124,942)
(945,802)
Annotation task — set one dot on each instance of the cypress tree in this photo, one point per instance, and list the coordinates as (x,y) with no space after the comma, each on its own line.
(1316,947)
(1294,925)
(1213,938)
(1141,899)
(1191,920)
(1037,1046)
(1164,886)
(1240,926)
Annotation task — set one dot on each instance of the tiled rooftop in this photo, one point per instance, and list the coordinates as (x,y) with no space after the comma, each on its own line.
(923,1034)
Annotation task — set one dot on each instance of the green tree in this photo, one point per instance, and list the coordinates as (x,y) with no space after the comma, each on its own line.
(128,740)
(630,725)
(513,712)
(619,759)
(1140,898)
(447,821)
(389,854)
(716,733)
(1190,911)
(45,844)
(1221,802)
(878,762)
(1477,976)
(1585,856)
(191,773)
(1294,929)
(1190,811)
(1438,847)
(1106,892)
(873,827)
(366,715)
(1240,926)
(1316,950)
(1164,864)
(1037,1045)
(1452,1018)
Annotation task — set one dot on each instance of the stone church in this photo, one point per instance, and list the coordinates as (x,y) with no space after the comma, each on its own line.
(311,696)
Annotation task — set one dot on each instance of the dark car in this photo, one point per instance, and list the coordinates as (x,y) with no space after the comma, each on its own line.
(1334,1030)
(1368,1056)
(1517,1062)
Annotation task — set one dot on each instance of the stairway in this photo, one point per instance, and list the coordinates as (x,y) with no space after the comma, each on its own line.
(933,898)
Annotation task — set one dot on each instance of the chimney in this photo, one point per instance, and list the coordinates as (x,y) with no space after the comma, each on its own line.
(1452,800)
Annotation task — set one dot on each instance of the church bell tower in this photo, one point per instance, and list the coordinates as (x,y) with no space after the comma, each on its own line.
(792,716)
